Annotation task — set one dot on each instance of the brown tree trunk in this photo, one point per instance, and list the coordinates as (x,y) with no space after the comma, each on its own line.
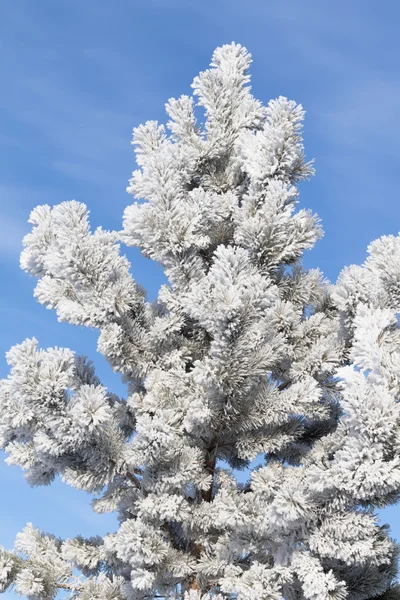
(206,496)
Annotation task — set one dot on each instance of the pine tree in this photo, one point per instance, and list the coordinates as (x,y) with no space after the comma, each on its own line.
(244,354)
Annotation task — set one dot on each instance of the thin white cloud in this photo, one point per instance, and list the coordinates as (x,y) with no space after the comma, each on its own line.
(11,234)
(16,202)
(367,113)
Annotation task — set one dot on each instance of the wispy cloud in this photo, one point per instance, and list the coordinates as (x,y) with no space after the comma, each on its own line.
(365,116)
(16,201)
(11,234)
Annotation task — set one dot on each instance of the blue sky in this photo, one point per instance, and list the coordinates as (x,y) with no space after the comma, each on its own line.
(78,75)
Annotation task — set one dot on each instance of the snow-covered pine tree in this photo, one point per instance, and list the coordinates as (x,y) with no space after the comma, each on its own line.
(244,354)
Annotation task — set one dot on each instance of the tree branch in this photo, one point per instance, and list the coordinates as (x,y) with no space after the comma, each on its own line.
(210,463)
(134,479)
(65,586)
(283,386)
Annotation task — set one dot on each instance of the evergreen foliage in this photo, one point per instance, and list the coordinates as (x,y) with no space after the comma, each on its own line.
(243,354)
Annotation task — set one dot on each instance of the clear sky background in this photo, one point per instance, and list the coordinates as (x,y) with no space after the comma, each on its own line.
(77,75)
